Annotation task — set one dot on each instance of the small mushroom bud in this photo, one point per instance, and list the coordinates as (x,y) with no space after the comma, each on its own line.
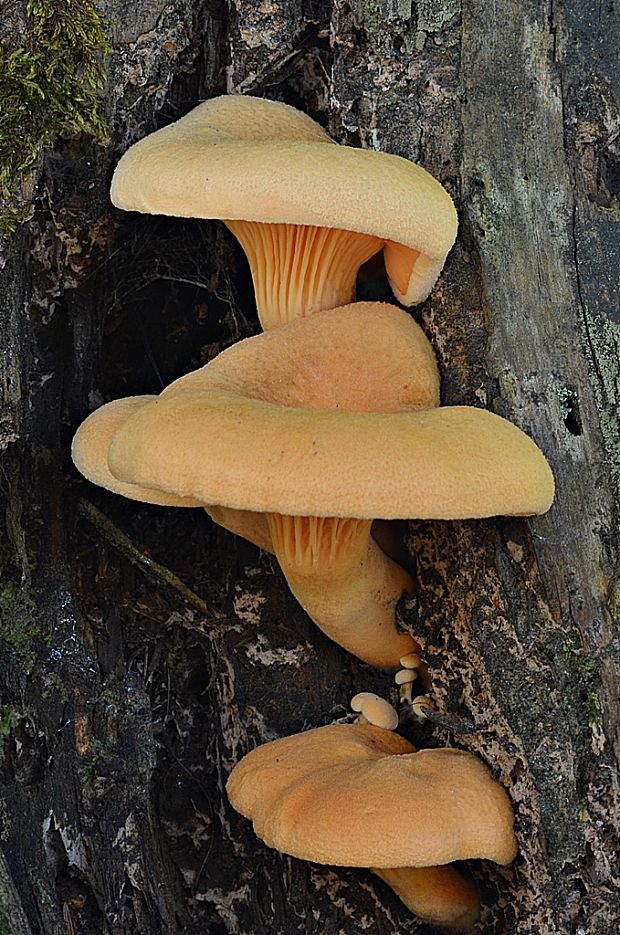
(375,710)
(405,679)
(415,663)
(405,676)
(421,703)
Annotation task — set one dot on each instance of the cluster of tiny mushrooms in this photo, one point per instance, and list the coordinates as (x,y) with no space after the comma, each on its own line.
(297,439)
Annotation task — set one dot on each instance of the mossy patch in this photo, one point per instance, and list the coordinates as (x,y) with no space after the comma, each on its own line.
(18,626)
(373,13)
(48,86)
(9,719)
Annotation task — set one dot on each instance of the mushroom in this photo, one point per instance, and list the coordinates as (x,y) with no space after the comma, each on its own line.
(323,425)
(373,709)
(307,212)
(346,583)
(357,795)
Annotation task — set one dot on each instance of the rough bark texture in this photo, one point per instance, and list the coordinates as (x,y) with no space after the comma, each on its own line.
(125,701)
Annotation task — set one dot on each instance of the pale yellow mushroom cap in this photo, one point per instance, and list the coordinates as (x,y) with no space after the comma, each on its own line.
(239,158)
(341,795)
(89,451)
(375,709)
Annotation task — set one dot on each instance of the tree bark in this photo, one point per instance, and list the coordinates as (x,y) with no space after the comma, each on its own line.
(143,650)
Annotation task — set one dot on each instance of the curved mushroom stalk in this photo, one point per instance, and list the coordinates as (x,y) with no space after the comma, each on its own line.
(346,584)
(299,269)
(439,895)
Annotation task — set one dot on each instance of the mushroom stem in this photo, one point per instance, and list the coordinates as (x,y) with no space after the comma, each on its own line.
(440,895)
(346,584)
(298,269)
(247,523)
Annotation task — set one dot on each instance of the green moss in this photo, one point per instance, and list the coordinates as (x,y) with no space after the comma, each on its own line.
(593,704)
(564,395)
(88,775)
(18,625)
(583,675)
(48,86)
(9,718)
(372,13)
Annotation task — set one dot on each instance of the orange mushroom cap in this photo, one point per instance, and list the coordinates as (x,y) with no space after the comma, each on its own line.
(341,795)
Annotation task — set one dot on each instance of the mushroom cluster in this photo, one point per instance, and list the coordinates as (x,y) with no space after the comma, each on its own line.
(298,439)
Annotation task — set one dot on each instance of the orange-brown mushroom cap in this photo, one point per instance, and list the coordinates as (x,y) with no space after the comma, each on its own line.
(358,796)
(246,159)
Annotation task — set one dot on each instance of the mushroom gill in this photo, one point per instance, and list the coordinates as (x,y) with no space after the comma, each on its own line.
(300,269)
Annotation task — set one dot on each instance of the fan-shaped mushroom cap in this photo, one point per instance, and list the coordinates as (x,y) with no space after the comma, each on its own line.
(362,357)
(449,463)
(281,422)
(358,796)
(239,158)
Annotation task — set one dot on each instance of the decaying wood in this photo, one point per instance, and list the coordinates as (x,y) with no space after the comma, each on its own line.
(123,706)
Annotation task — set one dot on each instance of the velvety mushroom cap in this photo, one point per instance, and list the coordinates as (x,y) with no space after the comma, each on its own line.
(358,796)
(217,447)
(281,422)
(362,357)
(89,451)
(245,159)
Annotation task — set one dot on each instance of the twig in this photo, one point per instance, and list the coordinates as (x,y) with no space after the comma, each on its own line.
(153,570)
(450,722)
